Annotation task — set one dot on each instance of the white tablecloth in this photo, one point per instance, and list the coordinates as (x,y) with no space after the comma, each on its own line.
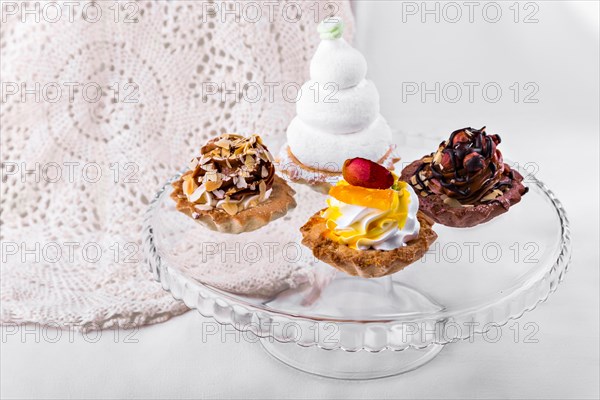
(559,133)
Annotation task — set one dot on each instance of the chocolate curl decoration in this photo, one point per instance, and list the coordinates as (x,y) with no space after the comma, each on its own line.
(466,167)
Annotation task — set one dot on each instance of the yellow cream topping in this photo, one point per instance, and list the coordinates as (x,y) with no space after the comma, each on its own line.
(359,216)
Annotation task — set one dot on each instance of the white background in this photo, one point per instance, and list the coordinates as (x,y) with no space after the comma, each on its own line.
(560,133)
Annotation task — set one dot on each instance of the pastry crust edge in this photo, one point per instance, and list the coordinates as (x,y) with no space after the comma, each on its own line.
(365,263)
(276,206)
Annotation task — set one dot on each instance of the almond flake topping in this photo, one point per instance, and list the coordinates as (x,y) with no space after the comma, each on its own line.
(194,197)
(193,163)
(241,183)
(230,208)
(223,143)
(211,176)
(452,202)
(212,186)
(189,186)
(225,167)
(495,193)
(262,187)
(219,194)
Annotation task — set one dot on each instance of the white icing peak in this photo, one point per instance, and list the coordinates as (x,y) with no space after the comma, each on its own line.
(337,62)
(338,101)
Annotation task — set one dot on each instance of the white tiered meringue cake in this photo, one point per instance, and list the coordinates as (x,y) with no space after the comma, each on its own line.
(337,115)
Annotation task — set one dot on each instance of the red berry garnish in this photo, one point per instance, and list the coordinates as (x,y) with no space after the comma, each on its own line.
(366,173)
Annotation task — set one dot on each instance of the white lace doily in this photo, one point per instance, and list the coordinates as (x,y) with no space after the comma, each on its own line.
(71,243)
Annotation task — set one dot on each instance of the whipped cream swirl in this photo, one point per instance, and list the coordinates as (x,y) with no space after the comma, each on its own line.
(207,202)
(363,228)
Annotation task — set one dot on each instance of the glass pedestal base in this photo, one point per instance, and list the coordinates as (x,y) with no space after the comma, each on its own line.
(361,299)
(350,365)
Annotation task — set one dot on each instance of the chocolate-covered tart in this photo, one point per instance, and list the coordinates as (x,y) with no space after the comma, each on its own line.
(232,187)
(465,182)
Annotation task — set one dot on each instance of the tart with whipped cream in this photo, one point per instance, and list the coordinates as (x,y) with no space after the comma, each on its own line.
(338,116)
(232,187)
(372,226)
(465,182)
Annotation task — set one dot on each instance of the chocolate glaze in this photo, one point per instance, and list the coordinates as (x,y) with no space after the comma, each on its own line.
(463,217)
(466,167)
(469,170)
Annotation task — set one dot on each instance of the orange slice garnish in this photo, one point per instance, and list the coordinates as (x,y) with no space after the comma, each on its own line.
(360,196)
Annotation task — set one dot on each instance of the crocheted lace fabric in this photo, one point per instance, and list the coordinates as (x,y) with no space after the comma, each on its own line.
(99,109)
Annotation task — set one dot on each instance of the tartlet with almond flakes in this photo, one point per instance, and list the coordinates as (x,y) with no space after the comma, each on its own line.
(231,187)
(372,226)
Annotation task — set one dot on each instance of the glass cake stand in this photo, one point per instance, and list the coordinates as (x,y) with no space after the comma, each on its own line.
(471,281)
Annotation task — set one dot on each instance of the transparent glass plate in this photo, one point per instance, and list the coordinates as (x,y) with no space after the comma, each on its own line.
(470,281)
